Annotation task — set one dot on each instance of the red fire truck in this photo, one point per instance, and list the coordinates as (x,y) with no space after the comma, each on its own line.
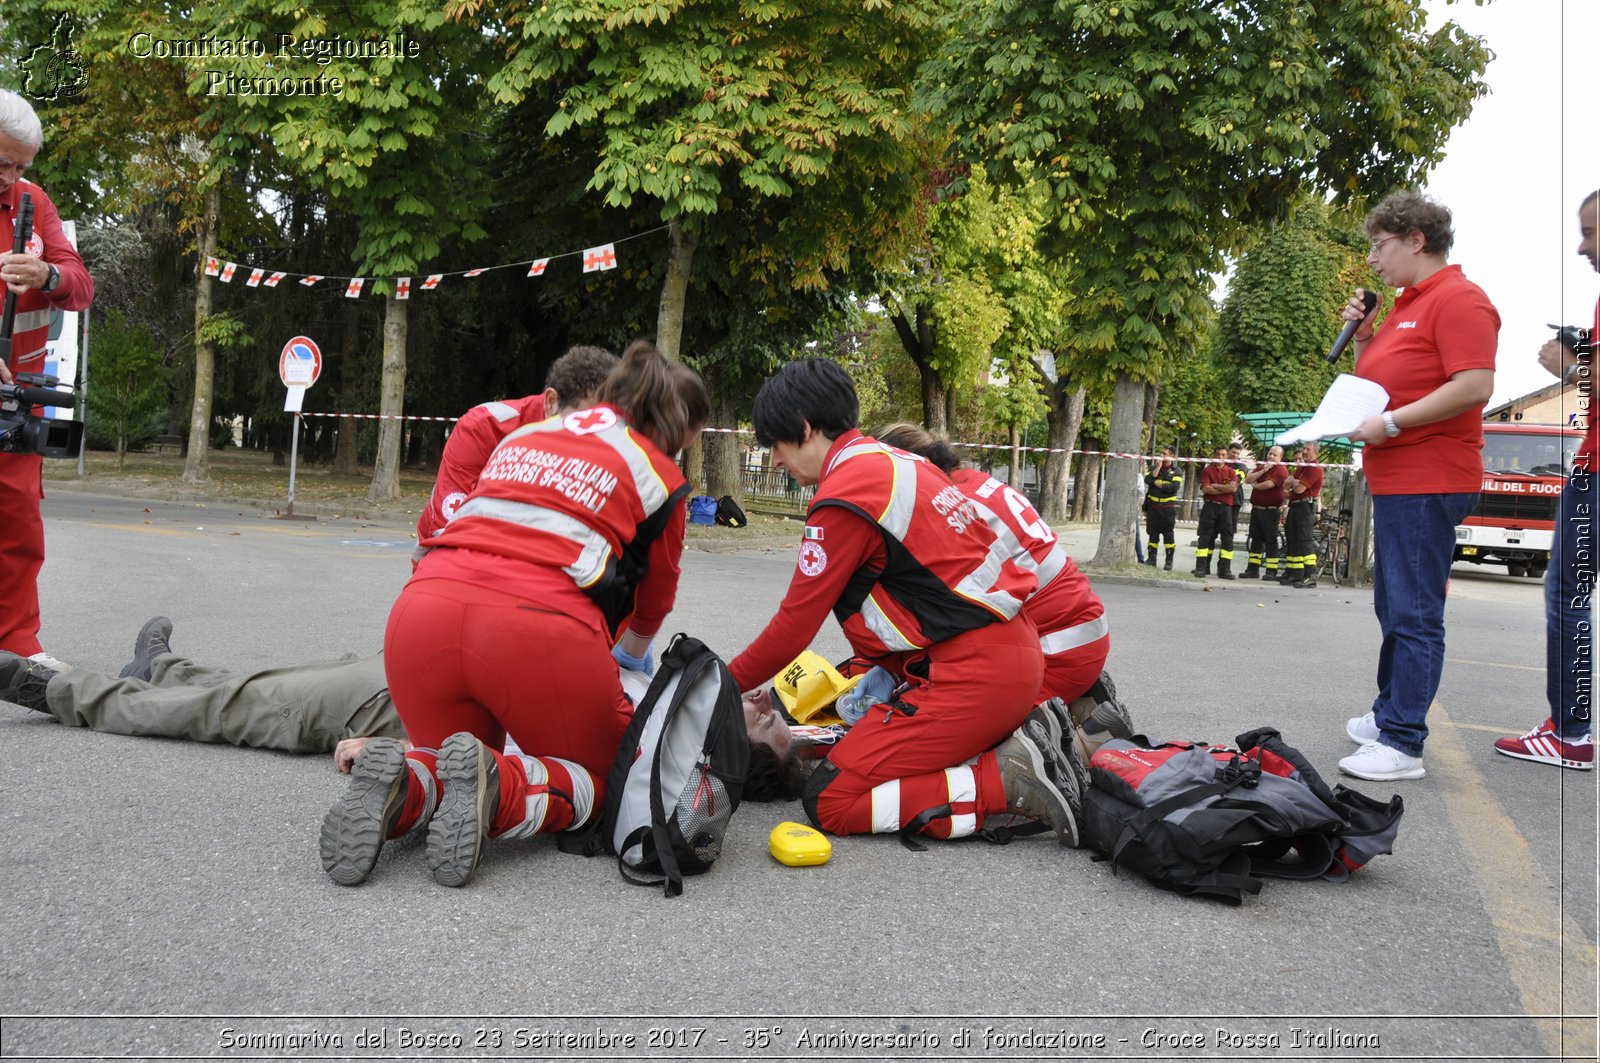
(1524,470)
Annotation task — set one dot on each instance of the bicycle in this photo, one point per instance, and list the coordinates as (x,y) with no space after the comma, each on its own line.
(1331,540)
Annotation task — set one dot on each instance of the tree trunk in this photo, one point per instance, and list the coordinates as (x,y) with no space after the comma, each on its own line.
(1152,403)
(933,402)
(918,341)
(344,453)
(197,467)
(722,450)
(669,324)
(1015,479)
(1066,419)
(391,403)
(1086,496)
(1120,508)
(122,450)
(675,289)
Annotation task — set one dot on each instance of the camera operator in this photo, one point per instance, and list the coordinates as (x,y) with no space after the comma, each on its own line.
(48,274)
(1564,739)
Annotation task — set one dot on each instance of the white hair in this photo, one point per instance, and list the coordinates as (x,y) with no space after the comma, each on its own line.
(18,121)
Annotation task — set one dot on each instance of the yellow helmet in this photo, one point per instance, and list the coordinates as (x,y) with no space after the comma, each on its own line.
(809,686)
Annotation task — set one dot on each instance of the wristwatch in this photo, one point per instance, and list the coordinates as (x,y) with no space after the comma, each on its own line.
(1572,374)
(52,282)
(1390,429)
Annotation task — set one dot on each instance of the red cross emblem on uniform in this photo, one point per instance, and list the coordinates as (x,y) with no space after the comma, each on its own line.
(602,257)
(584,422)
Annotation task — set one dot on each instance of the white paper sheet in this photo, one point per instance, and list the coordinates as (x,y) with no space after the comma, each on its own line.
(1349,401)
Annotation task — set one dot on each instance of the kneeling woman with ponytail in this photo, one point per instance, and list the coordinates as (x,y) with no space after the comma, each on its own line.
(566,551)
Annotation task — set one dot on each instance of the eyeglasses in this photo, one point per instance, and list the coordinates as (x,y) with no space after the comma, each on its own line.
(1377,245)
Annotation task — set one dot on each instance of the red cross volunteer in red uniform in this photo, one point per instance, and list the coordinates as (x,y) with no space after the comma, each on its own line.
(47,277)
(922,587)
(1074,634)
(508,624)
(1423,458)
(572,381)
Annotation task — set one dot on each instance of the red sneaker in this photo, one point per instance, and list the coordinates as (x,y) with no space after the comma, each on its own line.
(1543,746)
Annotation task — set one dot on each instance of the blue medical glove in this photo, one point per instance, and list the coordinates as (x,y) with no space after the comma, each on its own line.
(645,663)
(875,687)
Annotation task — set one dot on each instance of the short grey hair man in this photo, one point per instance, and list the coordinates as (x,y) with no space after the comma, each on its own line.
(18,121)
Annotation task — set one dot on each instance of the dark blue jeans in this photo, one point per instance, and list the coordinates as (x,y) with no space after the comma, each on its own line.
(1568,590)
(1414,541)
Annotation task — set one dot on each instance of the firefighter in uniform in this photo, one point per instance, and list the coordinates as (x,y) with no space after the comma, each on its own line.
(1218,483)
(47,277)
(1299,529)
(1235,461)
(1162,485)
(1074,635)
(571,539)
(1266,499)
(923,588)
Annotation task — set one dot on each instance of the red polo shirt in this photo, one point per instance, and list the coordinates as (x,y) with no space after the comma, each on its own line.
(1438,328)
(1269,489)
(1219,474)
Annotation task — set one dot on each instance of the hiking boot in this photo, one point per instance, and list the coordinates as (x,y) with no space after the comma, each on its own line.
(1543,746)
(50,661)
(470,779)
(1270,574)
(1225,570)
(1202,568)
(150,643)
(355,827)
(23,681)
(1032,774)
(1306,584)
(1150,558)
(1362,729)
(1250,572)
(1381,763)
(1168,565)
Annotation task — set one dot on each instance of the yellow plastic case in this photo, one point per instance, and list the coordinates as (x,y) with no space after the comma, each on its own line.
(797,845)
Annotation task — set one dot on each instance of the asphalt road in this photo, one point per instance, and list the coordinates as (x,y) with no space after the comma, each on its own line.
(164,899)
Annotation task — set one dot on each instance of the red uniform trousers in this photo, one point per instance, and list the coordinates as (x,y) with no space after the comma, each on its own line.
(21,551)
(893,766)
(461,657)
(1069,675)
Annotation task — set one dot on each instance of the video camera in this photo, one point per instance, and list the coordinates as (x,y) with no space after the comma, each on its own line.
(24,432)
(1575,339)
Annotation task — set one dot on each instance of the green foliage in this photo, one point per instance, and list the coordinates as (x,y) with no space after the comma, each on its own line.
(688,98)
(1279,316)
(389,147)
(1197,407)
(1164,127)
(126,396)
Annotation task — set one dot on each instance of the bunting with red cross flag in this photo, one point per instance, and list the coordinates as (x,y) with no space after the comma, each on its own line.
(602,257)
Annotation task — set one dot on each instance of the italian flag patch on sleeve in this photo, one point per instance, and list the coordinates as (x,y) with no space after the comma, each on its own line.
(813,532)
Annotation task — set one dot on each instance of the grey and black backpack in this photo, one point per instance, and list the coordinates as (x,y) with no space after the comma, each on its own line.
(678,774)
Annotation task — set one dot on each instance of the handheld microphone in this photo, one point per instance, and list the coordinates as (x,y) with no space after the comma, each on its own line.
(1346,334)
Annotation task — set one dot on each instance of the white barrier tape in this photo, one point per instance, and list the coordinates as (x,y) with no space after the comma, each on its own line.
(380,416)
(973,446)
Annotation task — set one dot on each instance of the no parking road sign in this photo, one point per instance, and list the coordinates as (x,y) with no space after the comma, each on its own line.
(300,363)
(298,367)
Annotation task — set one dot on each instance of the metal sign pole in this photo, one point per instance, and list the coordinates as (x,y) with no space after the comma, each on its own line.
(294,454)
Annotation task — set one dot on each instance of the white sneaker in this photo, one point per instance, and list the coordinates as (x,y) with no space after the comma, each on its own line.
(49,662)
(1380,763)
(1362,729)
